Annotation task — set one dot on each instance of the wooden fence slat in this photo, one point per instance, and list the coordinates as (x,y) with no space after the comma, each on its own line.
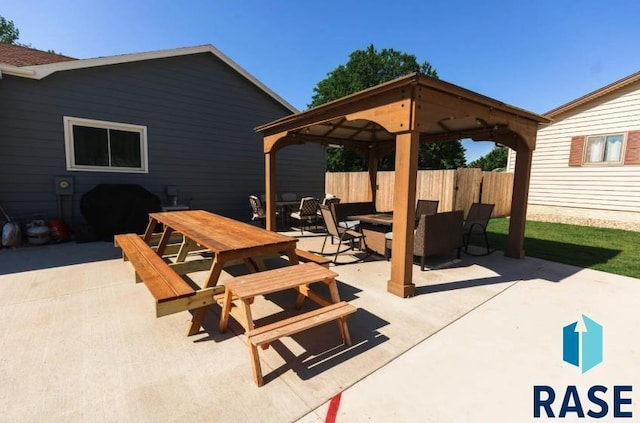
(496,189)
(455,189)
(384,197)
(468,182)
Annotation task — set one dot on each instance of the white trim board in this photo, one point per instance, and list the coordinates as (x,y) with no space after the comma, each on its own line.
(42,71)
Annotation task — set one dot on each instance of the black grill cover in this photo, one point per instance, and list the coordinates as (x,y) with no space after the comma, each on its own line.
(117,209)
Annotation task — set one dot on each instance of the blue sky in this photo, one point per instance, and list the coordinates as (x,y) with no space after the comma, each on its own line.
(536,55)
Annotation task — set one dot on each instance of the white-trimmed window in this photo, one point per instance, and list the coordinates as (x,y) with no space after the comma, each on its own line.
(604,149)
(101,146)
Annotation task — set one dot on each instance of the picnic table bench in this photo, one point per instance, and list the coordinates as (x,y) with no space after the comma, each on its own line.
(164,280)
(171,292)
(299,277)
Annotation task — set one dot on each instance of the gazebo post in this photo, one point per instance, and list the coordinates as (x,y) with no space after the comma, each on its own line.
(373,175)
(519,198)
(404,201)
(270,189)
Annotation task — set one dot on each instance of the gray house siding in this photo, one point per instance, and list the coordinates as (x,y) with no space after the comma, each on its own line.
(199,114)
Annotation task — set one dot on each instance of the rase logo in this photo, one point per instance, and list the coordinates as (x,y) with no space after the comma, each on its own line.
(582,346)
(582,343)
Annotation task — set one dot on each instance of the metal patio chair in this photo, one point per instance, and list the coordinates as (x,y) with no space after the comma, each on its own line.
(342,234)
(476,224)
(257,209)
(307,213)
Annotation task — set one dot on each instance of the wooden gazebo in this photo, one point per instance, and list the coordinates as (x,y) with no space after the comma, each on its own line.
(399,115)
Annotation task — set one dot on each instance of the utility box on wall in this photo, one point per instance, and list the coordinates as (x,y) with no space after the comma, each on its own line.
(64,185)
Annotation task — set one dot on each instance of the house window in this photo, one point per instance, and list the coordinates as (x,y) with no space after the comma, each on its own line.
(604,149)
(100,146)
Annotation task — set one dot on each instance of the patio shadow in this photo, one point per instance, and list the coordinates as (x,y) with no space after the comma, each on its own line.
(551,268)
(322,346)
(573,254)
(36,257)
(450,286)
(321,352)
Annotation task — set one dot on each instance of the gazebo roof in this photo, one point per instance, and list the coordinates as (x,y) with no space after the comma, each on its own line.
(441,112)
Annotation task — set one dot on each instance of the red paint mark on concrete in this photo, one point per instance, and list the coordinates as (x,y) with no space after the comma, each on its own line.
(332,412)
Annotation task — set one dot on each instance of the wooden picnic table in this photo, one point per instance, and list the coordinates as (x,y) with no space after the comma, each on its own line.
(230,240)
(299,277)
(226,238)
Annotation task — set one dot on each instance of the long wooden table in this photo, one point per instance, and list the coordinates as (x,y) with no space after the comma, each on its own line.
(227,239)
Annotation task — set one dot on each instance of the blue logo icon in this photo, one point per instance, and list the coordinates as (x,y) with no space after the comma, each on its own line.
(582,343)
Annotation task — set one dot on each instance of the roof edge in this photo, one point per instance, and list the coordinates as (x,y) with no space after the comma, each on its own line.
(15,71)
(389,85)
(42,71)
(593,95)
(450,88)
(409,79)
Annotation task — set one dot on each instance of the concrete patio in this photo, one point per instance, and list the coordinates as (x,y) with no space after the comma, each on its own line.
(80,342)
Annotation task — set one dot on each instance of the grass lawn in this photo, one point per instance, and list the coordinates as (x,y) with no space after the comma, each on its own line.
(610,250)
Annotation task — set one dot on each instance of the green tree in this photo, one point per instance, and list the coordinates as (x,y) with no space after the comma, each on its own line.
(8,31)
(495,159)
(365,69)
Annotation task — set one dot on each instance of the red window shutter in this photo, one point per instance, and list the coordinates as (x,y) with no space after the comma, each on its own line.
(632,155)
(575,154)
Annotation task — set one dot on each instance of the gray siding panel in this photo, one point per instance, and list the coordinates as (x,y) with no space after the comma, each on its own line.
(199,115)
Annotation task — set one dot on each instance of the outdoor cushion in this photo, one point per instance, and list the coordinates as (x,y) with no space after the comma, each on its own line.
(349,224)
(389,235)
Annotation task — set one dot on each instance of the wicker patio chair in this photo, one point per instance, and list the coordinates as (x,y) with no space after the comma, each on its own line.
(437,233)
(426,207)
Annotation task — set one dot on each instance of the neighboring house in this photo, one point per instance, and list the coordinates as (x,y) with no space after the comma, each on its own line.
(587,161)
(180,118)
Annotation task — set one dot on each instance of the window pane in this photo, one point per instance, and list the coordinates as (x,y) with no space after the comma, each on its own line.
(595,149)
(613,149)
(125,149)
(90,146)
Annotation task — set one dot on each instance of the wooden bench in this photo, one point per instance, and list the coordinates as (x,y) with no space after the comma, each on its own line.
(299,277)
(309,257)
(173,247)
(304,256)
(263,336)
(170,291)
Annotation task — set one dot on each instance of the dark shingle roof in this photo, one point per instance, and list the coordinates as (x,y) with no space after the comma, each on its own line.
(14,55)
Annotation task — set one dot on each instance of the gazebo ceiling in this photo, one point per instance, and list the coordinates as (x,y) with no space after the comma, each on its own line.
(438,110)
(353,130)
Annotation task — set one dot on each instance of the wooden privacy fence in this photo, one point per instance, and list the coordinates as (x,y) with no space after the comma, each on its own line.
(455,189)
